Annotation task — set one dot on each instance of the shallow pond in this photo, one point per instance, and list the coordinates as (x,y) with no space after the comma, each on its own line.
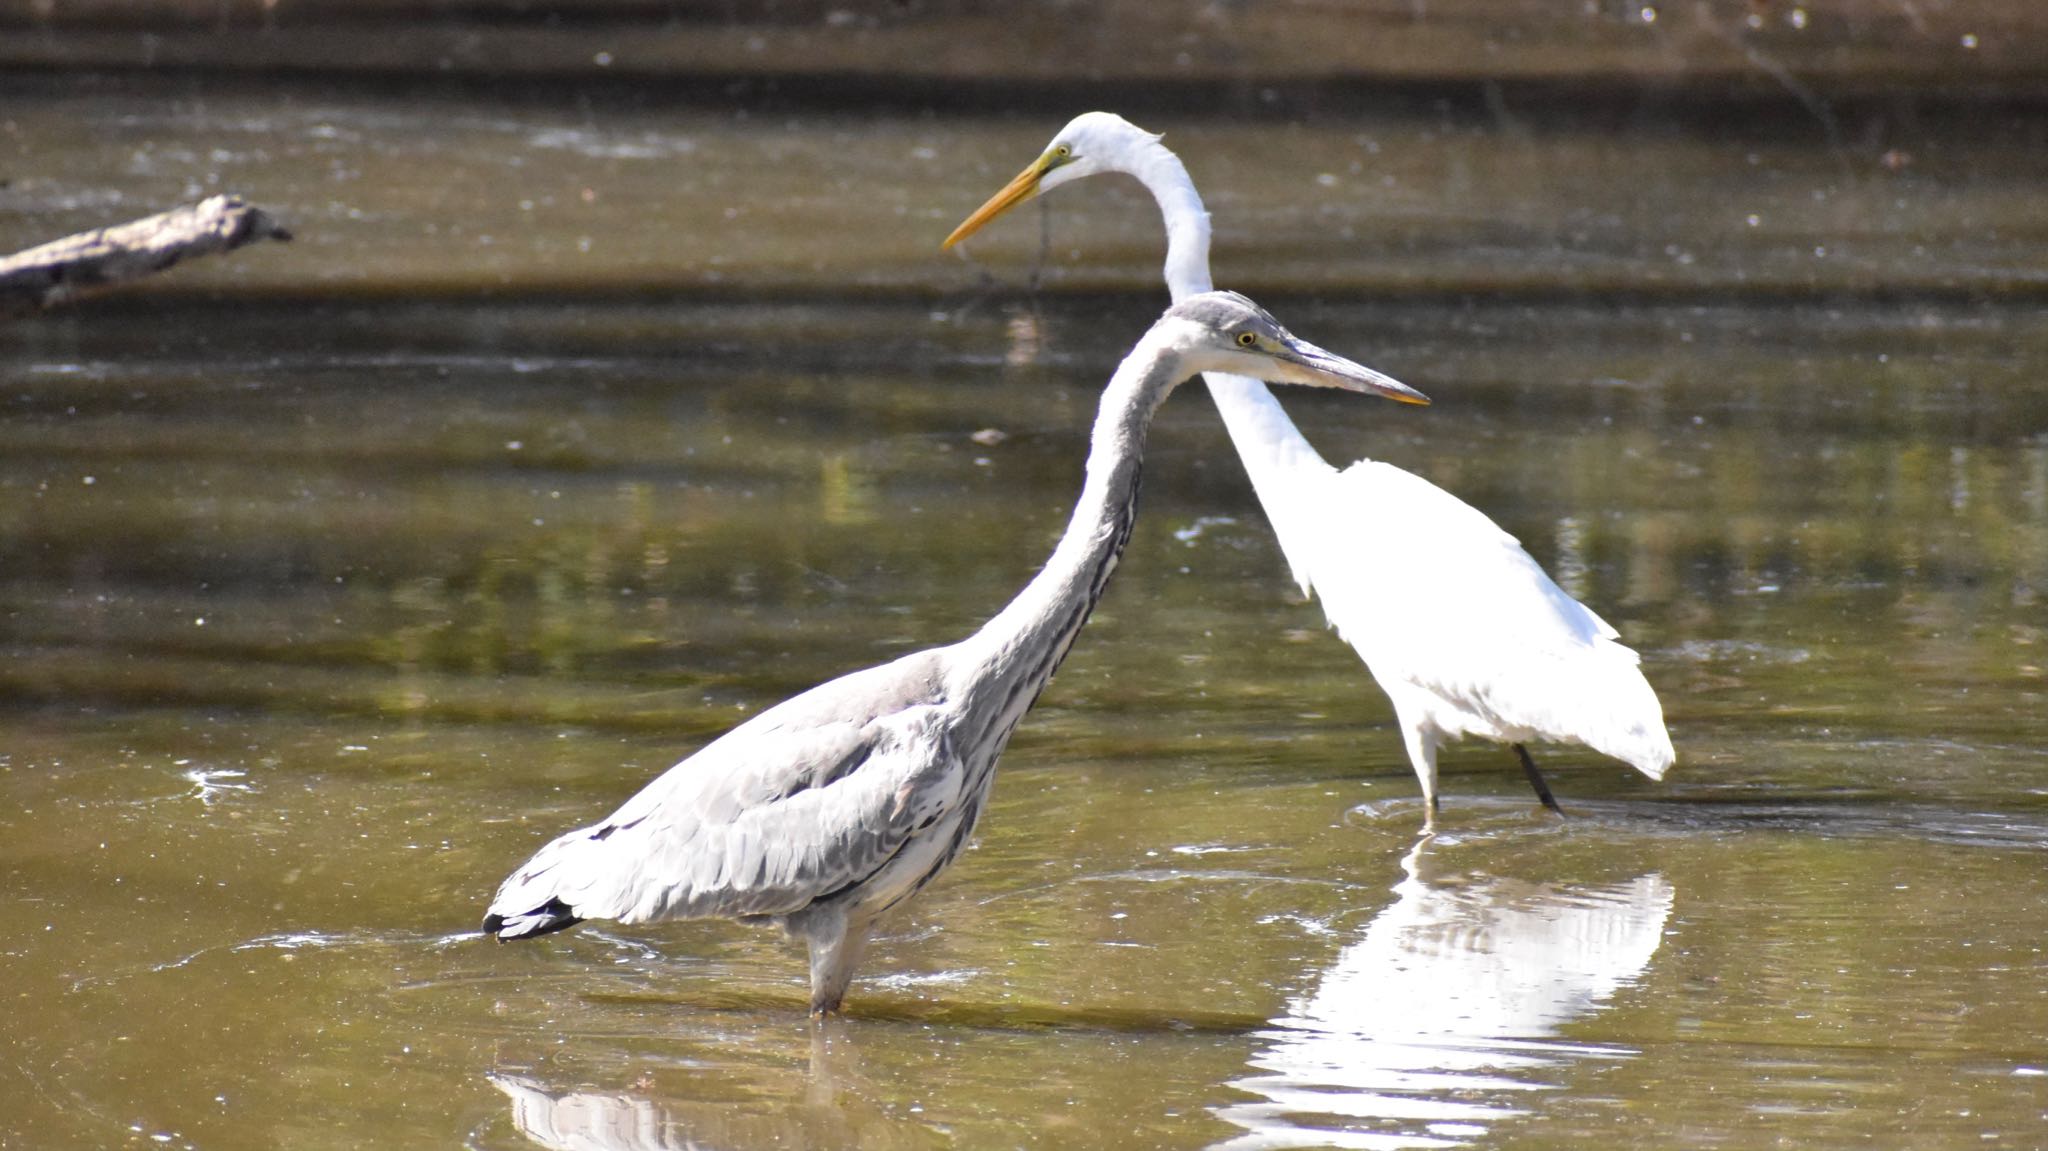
(322,610)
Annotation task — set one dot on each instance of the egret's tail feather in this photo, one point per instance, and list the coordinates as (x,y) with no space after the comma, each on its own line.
(1630,724)
(1655,755)
(554,915)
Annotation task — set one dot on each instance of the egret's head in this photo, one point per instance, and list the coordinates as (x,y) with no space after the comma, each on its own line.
(1225,332)
(1092,142)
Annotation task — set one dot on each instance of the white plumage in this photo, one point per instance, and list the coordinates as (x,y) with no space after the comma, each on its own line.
(1464,632)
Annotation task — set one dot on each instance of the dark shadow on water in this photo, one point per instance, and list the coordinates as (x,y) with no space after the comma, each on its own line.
(1832,813)
(981,1017)
(1837,814)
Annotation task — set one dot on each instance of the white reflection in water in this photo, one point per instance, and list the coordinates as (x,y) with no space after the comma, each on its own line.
(1438,1022)
(589,1121)
(834,1109)
(616,1121)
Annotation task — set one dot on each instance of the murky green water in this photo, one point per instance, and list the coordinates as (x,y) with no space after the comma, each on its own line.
(319,614)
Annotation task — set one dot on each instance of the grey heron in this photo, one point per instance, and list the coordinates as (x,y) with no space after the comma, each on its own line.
(1465,632)
(830,808)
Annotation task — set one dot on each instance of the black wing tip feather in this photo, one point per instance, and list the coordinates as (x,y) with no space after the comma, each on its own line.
(548,918)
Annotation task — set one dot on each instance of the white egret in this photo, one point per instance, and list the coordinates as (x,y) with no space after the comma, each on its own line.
(1464,632)
(830,808)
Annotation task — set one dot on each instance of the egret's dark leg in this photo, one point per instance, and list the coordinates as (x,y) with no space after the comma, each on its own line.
(1536,779)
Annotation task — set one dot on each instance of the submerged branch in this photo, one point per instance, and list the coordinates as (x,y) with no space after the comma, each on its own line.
(62,270)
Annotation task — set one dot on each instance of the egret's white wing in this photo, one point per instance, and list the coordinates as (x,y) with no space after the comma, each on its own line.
(1435,595)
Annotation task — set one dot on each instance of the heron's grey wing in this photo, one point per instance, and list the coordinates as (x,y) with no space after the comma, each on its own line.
(792,806)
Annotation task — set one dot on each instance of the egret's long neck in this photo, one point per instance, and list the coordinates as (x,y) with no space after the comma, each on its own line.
(1277,457)
(1005,664)
(1187,221)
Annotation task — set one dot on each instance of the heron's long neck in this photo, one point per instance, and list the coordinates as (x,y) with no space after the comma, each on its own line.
(1276,456)
(1007,662)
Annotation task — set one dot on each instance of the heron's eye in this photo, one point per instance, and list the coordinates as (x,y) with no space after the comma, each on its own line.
(1063,151)
(1246,339)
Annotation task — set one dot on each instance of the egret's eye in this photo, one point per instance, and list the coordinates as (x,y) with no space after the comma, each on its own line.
(1246,339)
(1063,151)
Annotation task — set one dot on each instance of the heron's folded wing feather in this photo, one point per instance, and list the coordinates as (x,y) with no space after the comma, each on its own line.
(761,821)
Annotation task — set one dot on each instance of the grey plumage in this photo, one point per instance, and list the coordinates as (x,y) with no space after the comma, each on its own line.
(1221,308)
(830,808)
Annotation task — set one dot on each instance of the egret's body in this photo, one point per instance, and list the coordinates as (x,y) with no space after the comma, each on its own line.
(1464,632)
(825,811)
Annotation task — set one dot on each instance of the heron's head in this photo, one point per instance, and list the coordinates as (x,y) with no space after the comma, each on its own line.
(1092,142)
(1226,332)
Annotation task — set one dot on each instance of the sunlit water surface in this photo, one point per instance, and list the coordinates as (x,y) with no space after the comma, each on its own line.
(318,618)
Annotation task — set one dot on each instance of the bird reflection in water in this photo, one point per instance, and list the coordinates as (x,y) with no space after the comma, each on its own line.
(834,1111)
(1436,1023)
(589,1120)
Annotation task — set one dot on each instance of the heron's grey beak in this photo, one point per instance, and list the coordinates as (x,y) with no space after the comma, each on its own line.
(1325,369)
(1018,190)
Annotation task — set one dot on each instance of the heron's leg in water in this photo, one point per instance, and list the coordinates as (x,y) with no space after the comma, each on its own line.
(1536,779)
(836,941)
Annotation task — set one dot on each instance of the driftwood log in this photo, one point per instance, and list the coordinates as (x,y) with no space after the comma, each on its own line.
(62,270)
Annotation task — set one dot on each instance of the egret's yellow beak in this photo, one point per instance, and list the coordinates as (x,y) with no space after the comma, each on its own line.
(1014,193)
